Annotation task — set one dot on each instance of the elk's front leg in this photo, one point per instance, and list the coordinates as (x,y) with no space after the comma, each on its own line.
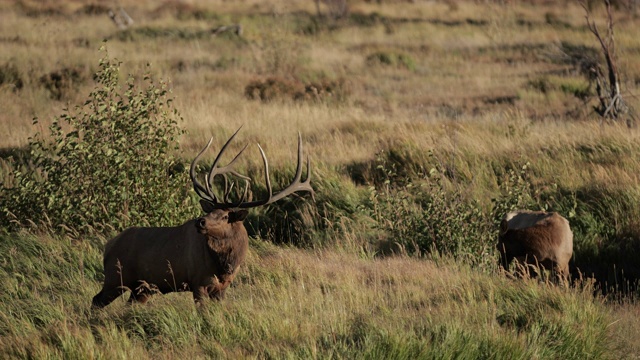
(216,293)
(218,288)
(199,294)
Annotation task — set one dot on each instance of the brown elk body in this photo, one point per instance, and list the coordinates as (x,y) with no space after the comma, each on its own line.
(202,255)
(536,238)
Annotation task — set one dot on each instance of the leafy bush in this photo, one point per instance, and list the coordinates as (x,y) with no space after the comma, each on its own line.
(337,90)
(144,33)
(93,10)
(426,218)
(396,164)
(606,235)
(431,213)
(581,58)
(515,193)
(107,163)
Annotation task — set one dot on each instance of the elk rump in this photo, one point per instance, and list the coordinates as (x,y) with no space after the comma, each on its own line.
(538,238)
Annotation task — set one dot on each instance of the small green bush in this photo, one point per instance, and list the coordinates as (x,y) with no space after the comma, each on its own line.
(426,218)
(324,90)
(145,33)
(108,163)
(581,91)
(432,214)
(515,193)
(392,59)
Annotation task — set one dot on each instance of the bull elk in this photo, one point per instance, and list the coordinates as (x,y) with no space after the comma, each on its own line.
(536,238)
(202,255)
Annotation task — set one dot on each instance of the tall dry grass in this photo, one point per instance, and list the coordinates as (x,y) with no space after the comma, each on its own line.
(293,303)
(482,90)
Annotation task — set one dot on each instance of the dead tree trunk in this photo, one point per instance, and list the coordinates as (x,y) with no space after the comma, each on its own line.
(611,104)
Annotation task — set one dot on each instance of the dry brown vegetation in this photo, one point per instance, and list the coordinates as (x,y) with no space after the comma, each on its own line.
(471,62)
(387,94)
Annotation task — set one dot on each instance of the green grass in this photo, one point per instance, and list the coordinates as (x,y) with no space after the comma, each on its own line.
(296,303)
(440,118)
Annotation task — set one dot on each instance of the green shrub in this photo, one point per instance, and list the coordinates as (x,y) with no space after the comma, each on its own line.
(580,57)
(366,20)
(392,59)
(581,91)
(324,90)
(515,193)
(145,33)
(606,235)
(430,213)
(107,163)
(396,164)
(300,220)
(427,219)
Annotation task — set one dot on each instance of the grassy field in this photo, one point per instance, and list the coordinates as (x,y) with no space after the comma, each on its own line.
(424,121)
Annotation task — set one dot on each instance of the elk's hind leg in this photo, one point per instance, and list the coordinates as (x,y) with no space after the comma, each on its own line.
(142,292)
(106,296)
(140,297)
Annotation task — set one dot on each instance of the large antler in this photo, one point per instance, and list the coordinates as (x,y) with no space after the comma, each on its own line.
(206,193)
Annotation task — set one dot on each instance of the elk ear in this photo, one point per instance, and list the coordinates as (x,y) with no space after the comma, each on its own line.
(239,215)
(504,226)
(207,206)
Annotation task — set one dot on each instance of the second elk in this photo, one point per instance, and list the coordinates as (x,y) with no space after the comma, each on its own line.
(538,240)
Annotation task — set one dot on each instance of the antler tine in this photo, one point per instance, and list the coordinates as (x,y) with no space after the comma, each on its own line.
(206,191)
(203,192)
(308,180)
(294,186)
(267,179)
(244,196)
(227,189)
(227,169)
(228,194)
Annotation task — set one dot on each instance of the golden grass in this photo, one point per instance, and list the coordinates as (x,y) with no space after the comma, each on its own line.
(450,71)
(448,104)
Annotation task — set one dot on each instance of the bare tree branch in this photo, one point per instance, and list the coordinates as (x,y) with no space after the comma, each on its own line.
(612,105)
